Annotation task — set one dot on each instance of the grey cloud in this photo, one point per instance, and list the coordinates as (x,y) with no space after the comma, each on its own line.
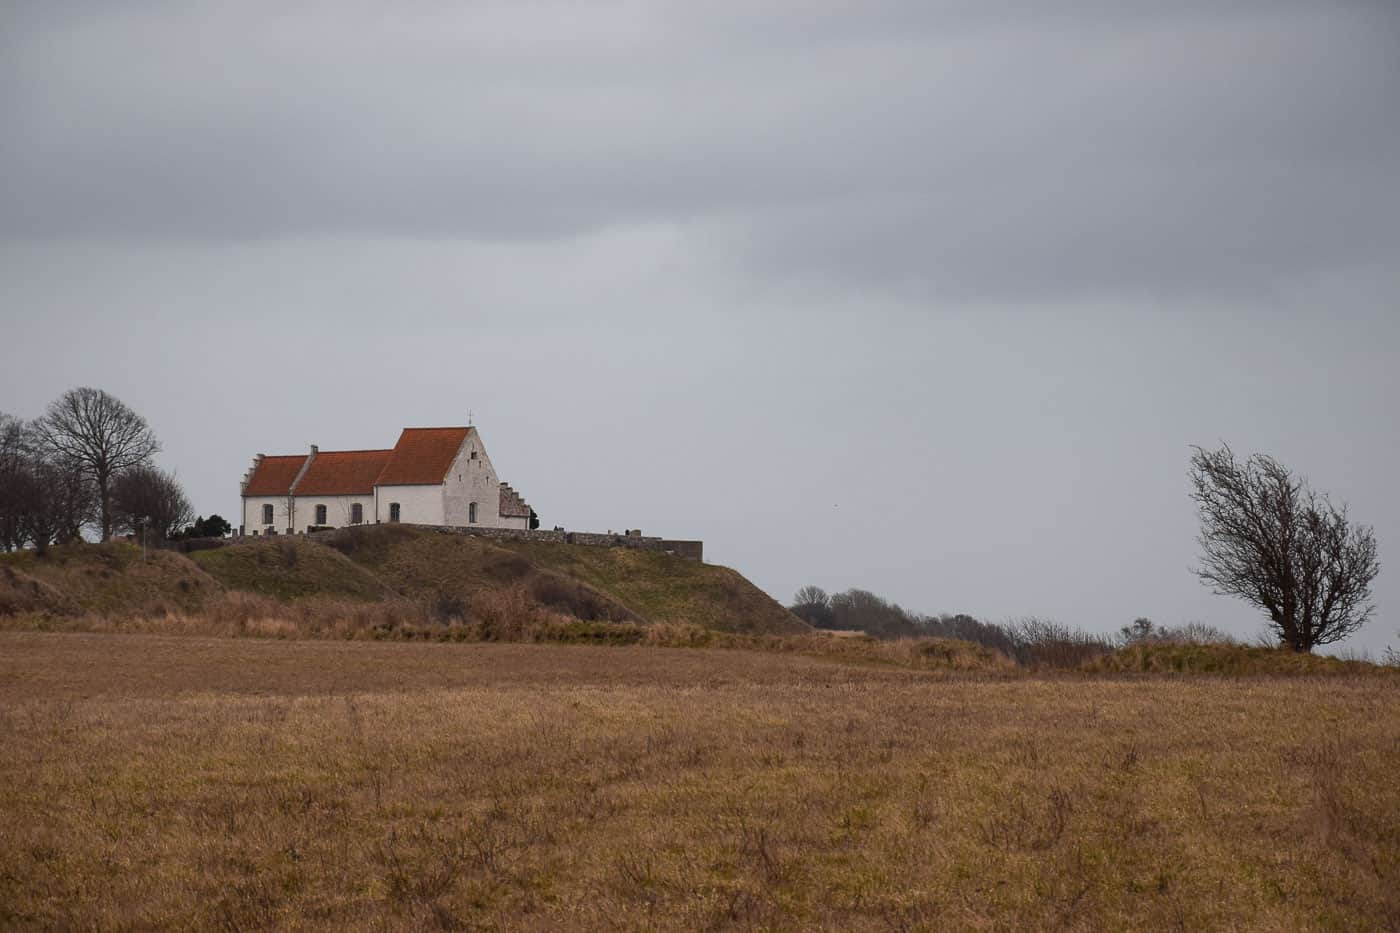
(947,147)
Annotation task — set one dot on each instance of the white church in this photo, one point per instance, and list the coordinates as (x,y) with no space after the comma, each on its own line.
(432,476)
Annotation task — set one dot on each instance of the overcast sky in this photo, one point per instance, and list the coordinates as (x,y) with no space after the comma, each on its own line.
(927,298)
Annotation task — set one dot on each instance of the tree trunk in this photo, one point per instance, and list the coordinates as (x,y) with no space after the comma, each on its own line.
(105,504)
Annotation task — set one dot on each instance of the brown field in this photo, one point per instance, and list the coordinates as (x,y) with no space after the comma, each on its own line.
(158,781)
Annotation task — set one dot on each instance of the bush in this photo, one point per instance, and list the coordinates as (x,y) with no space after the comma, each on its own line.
(501,615)
(1228,659)
(966,628)
(1031,642)
(1043,643)
(449,607)
(568,596)
(1144,631)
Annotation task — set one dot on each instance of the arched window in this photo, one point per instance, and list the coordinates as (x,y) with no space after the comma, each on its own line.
(320,514)
(357,513)
(393,511)
(267,514)
(471,513)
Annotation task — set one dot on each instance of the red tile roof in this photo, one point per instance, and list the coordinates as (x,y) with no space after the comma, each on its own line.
(422,456)
(273,476)
(343,473)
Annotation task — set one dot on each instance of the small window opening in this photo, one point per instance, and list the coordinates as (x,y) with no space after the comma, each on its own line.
(393,511)
(357,514)
(267,515)
(320,514)
(471,513)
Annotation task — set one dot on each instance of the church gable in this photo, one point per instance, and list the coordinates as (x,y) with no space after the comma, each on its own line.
(469,491)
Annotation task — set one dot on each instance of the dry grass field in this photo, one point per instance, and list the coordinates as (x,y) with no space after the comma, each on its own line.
(187,782)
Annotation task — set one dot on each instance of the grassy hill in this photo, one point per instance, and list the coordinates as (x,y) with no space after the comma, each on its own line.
(102,578)
(451,573)
(289,569)
(663,588)
(446,576)
(592,583)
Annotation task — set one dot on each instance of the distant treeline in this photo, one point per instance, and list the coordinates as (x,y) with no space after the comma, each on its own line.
(1031,642)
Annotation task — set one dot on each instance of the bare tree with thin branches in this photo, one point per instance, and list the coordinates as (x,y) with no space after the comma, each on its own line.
(43,501)
(99,435)
(14,477)
(145,498)
(1270,540)
(813,606)
(60,501)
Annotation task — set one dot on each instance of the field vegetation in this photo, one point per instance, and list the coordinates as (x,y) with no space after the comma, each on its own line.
(411,730)
(242,783)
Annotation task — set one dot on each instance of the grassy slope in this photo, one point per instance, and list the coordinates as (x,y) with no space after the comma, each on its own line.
(590,582)
(289,569)
(663,588)
(453,570)
(448,573)
(103,578)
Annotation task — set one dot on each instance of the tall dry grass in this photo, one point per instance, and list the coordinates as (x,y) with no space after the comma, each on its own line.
(498,615)
(163,783)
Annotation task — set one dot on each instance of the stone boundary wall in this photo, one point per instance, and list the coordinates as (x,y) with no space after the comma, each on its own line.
(690,550)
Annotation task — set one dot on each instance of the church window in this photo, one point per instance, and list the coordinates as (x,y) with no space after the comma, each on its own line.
(471,513)
(320,514)
(357,513)
(267,514)
(393,511)
(473,455)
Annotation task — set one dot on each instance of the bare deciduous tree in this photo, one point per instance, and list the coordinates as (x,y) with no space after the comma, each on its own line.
(813,606)
(864,611)
(60,501)
(42,501)
(13,482)
(1269,539)
(101,436)
(148,499)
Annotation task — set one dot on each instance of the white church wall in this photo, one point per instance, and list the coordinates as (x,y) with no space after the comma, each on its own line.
(339,510)
(282,516)
(418,505)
